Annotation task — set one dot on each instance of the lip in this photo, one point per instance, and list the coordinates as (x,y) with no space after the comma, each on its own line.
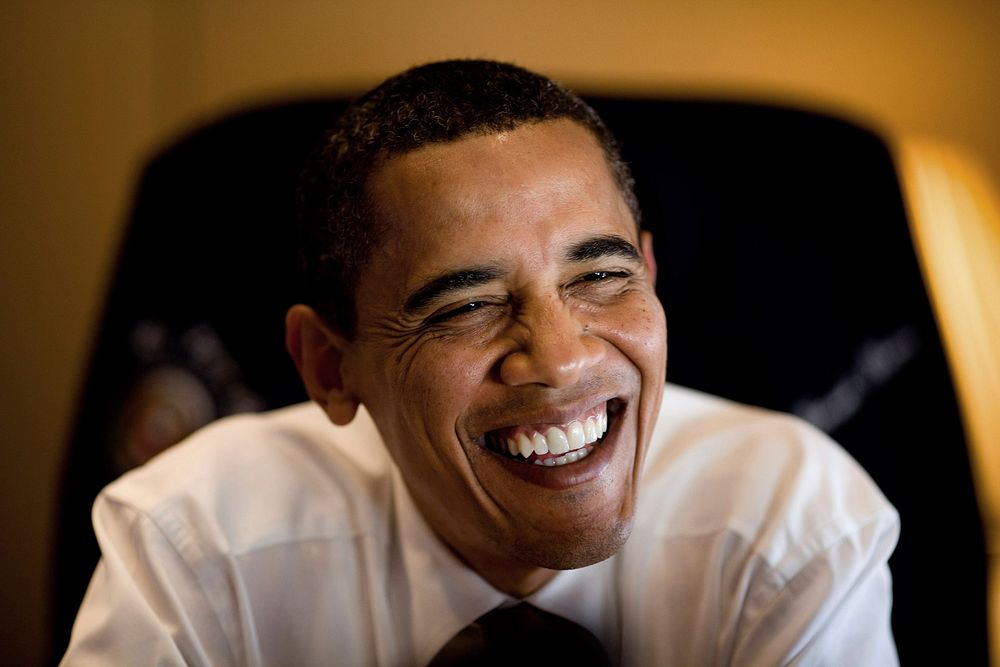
(572,474)
(552,415)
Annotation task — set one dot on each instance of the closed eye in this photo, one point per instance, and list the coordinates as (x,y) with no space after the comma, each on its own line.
(452,313)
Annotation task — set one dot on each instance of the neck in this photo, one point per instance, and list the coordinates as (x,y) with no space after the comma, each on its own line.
(515,579)
(508,575)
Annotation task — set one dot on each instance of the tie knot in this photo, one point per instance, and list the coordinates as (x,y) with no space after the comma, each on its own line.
(522,635)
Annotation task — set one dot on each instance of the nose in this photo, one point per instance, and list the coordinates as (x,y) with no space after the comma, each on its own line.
(554,348)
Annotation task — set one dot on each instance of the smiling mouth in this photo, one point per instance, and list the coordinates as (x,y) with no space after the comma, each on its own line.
(554,444)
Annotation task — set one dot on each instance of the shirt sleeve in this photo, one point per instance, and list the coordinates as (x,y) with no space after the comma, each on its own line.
(144,605)
(833,611)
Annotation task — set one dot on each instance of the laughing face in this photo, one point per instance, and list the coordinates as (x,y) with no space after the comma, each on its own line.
(510,347)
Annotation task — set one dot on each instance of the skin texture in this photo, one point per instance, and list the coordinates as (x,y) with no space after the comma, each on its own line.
(549,313)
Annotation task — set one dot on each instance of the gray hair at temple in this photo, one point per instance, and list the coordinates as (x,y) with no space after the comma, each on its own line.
(434,103)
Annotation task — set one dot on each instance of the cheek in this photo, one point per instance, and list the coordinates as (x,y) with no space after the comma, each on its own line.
(436,388)
(641,333)
(443,379)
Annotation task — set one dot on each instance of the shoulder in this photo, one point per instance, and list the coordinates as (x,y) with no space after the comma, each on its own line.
(771,480)
(257,479)
(769,536)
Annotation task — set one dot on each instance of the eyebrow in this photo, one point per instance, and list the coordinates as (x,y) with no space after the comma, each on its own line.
(462,279)
(602,246)
(448,283)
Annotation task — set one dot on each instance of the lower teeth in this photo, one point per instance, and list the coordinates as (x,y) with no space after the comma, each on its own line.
(571,457)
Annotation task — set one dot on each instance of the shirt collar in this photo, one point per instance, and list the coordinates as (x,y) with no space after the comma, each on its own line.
(444,594)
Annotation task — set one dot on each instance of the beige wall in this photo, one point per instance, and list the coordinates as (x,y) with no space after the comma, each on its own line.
(89,89)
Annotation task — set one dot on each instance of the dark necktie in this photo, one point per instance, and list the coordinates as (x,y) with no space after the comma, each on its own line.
(519,636)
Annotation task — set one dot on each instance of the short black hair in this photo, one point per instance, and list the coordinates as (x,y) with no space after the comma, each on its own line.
(434,103)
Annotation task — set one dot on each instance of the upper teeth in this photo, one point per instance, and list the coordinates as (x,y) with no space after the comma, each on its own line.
(558,441)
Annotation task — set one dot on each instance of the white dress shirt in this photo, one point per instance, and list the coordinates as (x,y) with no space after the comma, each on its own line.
(280,539)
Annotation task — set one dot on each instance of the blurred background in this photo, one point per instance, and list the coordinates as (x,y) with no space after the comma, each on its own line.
(90,90)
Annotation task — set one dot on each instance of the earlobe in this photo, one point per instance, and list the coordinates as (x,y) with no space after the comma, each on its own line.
(318,352)
(648,258)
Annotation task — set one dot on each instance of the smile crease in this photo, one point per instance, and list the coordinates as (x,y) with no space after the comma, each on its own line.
(552,445)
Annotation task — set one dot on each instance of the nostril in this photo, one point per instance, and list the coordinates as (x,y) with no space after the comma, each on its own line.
(553,347)
(551,365)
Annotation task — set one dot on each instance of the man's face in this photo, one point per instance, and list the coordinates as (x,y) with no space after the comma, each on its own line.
(512,302)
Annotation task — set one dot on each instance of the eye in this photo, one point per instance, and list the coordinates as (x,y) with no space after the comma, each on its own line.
(601,285)
(598,276)
(452,313)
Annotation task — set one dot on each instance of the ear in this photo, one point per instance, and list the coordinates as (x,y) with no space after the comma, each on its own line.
(648,258)
(318,352)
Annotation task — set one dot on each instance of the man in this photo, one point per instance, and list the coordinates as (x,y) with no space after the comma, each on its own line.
(483,334)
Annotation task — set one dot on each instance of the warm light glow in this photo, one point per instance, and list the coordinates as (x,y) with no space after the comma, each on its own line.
(956,223)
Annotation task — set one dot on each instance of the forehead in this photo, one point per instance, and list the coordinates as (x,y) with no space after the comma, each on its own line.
(495,197)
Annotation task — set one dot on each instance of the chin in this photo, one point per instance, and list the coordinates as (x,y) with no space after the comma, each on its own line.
(579,550)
